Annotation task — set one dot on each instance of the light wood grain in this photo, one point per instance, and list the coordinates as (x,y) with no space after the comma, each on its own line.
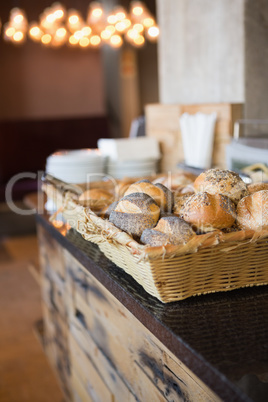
(162,122)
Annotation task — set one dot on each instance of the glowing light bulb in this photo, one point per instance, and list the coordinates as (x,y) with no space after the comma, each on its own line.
(35,32)
(9,31)
(139,40)
(110,28)
(18,19)
(116,41)
(153,32)
(78,34)
(46,39)
(132,34)
(73,19)
(138,10)
(105,34)
(112,19)
(148,22)
(138,27)
(86,31)
(73,40)
(50,18)
(84,42)
(121,26)
(95,40)
(18,36)
(61,32)
(97,12)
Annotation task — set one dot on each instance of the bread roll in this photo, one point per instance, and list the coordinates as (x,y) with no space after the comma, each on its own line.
(169,230)
(254,187)
(169,197)
(146,187)
(225,182)
(179,203)
(134,213)
(106,211)
(207,212)
(96,198)
(252,211)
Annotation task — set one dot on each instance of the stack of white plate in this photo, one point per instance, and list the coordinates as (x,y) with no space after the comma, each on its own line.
(76,166)
(132,168)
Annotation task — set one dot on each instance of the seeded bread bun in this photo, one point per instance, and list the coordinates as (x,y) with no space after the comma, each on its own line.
(225,182)
(207,212)
(96,198)
(179,203)
(254,187)
(169,197)
(106,211)
(155,192)
(134,213)
(169,230)
(252,211)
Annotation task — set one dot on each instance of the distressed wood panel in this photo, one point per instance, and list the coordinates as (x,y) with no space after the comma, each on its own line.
(89,375)
(136,354)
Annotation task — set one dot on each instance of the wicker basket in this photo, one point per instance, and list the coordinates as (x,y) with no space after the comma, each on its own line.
(208,263)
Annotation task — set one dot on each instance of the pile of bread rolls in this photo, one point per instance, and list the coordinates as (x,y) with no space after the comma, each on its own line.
(216,200)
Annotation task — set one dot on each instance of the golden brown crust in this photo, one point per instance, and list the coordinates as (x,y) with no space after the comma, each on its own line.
(225,182)
(209,211)
(254,187)
(96,198)
(139,203)
(252,211)
(179,203)
(146,187)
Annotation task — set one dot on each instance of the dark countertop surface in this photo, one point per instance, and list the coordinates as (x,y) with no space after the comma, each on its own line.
(221,337)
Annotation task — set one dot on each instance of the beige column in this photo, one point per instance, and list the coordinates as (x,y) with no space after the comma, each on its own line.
(213,51)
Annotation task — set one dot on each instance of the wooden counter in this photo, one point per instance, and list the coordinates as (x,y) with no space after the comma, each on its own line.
(111,341)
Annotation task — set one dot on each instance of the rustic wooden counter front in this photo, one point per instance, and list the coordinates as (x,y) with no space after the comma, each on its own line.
(111,341)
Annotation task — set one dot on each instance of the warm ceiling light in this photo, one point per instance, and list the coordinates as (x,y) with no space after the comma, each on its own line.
(137,10)
(78,35)
(46,39)
(61,32)
(84,42)
(74,28)
(132,34)
(153,32)
(97,12)
(121,26)
(105,34)
(73,40)
(18,36)
(58,10)
(86,31)
(50,18)
(138,27)
(112,19)
(9,31)
(116,41)
(73,19)
(35,32)
(95,40)
(148,22)
(18,19)
(139,40)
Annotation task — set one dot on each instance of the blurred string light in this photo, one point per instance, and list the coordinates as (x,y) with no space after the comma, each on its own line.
(58,26)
